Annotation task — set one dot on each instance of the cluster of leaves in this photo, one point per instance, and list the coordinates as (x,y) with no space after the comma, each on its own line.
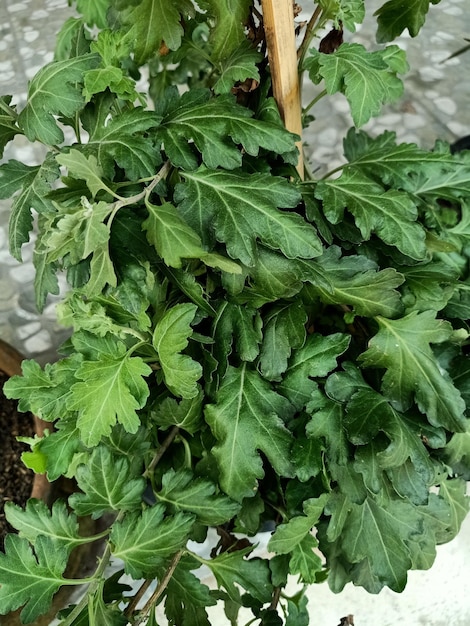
(247,348)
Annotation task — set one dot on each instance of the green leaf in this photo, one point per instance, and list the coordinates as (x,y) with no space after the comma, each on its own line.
(290,534)
(143,540)
(71,40)
(355,281)
(367,79)
(402,347)
(114,50)
(428,286)
(80,232)
(85,317)
(103,613)
(45,279)
(101,271)
(94,13)
(442,181)
(44,392)
(28,578)
(390,214)
(393,163)
(406,459)
(107,484)
(216,125)
(183,492)
(112,78)
(305,560)
(248,418)
(232,569)
(374,537)
(238,208)
(237,67)
(123,140)
(454,493)
(153,22)
(112,389)
(59,448)
(187,414)
(327,423)
(8,128)
(347,12)
(173,239)
(170,337)
(83,168)
(274,277)
(229,28)
(298,611)
(236,328)
(187,597)
(54,90)
(316,358)
(284,330)
(37,520)
(394,16)
(457,451)
(33,184)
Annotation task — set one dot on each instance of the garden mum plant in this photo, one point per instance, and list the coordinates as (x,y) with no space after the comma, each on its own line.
(254,349)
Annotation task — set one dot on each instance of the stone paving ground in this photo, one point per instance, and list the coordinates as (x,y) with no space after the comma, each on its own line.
(436,105)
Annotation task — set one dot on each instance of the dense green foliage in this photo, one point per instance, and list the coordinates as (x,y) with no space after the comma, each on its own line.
(249,351)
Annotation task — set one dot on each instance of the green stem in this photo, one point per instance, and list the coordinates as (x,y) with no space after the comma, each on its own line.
(336,169)
(10,111)
(160,588)
(136,599)
(312,27)
(145,193)
(94,581)
(318,97)
(276,597)
(162,449)
(101,535)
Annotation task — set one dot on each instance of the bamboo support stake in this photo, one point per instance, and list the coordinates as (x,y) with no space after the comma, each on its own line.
(278,17)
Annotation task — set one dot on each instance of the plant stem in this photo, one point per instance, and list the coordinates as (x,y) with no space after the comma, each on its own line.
(160,588)
(93,580)
(276,597)
(136,599)
(100,535)
(122,202)
(162,449)
(10,111)
(318,97)
(309,33)
(336,169)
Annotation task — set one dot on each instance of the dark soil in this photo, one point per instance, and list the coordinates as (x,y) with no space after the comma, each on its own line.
(15,479)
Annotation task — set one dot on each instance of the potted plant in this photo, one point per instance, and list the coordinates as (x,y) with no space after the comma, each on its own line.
(253,349)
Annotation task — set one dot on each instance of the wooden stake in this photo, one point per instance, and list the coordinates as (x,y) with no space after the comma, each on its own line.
(278,17)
